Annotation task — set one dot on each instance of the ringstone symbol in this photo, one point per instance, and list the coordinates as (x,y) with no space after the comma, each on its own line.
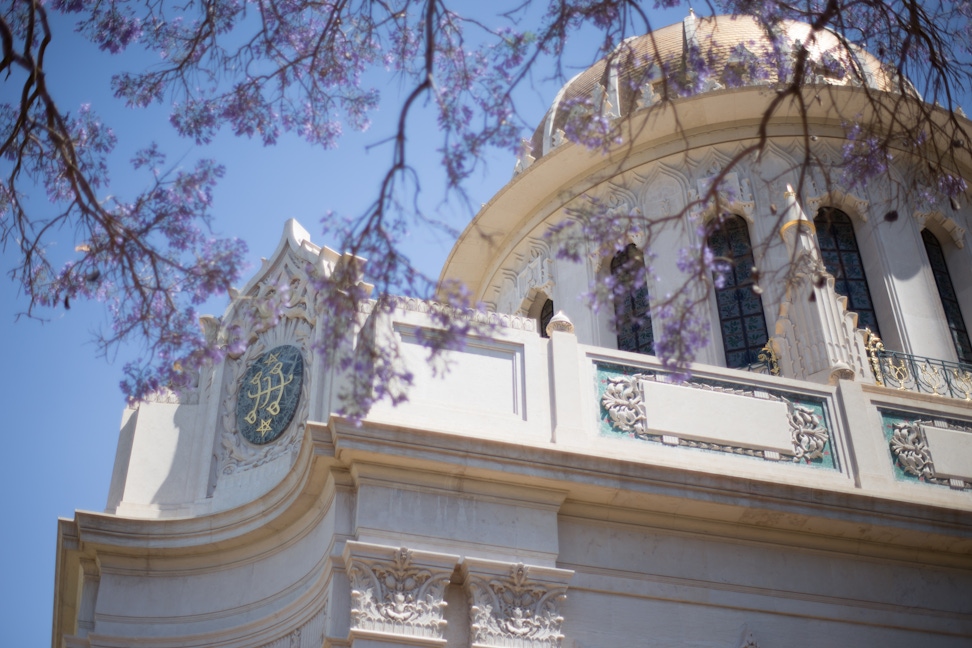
(268,394)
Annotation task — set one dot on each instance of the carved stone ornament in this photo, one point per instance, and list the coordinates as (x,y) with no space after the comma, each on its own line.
(535,275)
(278,311)
(842,200)
(560,322)
(623,400)
(515,606)
(911,451)
(397,590)
(733,194)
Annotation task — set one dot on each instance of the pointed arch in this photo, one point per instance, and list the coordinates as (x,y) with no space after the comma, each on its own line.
(836,198)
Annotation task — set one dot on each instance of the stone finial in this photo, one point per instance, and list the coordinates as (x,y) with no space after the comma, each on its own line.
(560,322)
(525,158)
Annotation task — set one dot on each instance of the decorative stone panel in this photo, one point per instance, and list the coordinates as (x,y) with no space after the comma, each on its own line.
(280,311)
(514,605)
(929,451)
(790,427)
(397,591)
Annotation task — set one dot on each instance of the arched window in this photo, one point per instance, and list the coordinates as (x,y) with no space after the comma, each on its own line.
(546,314)
(842,258)
(741,317)
(946,292)
(632,311)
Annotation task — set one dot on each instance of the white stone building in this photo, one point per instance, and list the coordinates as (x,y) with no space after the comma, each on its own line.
(557,491)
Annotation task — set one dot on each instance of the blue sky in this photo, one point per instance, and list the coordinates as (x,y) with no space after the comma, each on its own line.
(62,404)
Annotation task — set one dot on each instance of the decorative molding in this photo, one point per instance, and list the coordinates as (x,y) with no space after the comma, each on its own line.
(234,452)
(849,203)
(397,590)
(535,275)
(310,634)
(514,605)
(499,320)
(622,203)
(955,231)
(278,310)
(913,455)
(648,96)
(623,401)
(734,195)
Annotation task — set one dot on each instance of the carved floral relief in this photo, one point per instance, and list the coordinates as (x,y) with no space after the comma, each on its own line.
(515,606)
(623,411)
(910,452)
(397,591)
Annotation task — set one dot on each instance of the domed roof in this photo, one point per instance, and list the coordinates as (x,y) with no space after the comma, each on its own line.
(695,56)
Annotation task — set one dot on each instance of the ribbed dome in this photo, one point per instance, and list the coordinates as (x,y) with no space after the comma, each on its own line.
(695,56)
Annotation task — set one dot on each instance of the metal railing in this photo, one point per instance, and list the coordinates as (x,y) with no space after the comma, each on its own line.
(915,373)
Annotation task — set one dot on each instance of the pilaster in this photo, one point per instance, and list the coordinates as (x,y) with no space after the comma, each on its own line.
(514,605)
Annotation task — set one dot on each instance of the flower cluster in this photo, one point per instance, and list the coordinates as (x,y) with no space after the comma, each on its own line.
(865,156)
(264,68)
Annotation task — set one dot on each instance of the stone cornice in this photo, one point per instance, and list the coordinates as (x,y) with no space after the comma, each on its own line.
(301,494)
(835,515)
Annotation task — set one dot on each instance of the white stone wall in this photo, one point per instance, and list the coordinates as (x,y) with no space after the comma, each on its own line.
(545,524)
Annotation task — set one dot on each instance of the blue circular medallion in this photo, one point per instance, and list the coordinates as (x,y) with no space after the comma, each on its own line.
(269,393)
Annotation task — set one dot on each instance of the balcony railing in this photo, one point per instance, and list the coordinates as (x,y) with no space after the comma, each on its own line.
(914,373)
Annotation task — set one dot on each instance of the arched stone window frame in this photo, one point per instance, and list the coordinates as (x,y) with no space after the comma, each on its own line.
(874,256)
(862,303)
(718,342)
(958,258)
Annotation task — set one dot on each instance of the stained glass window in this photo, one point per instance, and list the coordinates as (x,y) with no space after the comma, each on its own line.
(546,314)
(842,258)
(632,311)
(740,308)
(946,291)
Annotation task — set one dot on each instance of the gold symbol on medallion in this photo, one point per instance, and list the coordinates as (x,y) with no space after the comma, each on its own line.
(264,427)
(269,391)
